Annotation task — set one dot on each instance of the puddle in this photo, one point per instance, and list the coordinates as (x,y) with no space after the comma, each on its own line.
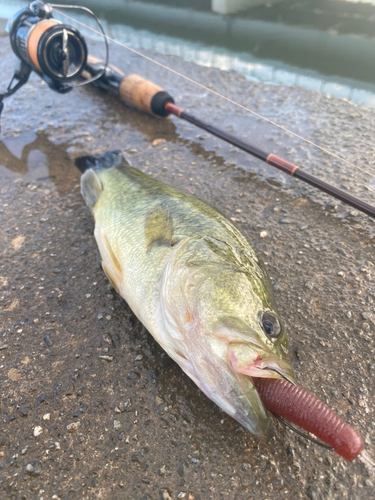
(31,156)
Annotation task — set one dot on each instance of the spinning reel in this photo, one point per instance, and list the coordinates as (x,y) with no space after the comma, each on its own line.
(57,52)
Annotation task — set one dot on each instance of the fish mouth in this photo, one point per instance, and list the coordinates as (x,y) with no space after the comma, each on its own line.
(269,368)
(257,361)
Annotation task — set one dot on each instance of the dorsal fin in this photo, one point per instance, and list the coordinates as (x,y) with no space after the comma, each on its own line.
(108,160)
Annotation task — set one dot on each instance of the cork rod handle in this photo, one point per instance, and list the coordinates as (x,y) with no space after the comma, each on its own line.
(134,90)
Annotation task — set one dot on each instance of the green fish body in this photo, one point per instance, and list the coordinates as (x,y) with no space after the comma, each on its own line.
(193,280)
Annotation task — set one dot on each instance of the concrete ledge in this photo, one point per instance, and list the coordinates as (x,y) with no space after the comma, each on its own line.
(232,6)
(3,23)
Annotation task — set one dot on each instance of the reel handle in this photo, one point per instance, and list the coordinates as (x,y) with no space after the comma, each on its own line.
(133,90)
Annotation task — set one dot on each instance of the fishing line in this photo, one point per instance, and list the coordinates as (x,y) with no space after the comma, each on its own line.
(279,373)
(218,94)
(301,433)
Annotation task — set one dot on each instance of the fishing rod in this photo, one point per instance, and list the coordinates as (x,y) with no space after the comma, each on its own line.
(58,54)
(143,94)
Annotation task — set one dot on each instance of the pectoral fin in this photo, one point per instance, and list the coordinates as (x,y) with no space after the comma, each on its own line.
(111,277)
(112,257)
(110,262)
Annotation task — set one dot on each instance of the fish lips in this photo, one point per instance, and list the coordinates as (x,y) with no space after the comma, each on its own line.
(256,360)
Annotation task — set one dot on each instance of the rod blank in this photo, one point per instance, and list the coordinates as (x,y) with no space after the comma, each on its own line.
(276,161)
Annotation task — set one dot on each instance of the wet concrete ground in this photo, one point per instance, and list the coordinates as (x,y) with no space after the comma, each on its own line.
(91,407)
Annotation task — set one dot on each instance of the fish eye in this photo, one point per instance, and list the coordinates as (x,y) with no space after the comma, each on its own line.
(270,324)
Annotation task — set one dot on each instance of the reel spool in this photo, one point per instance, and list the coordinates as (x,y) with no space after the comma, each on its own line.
(57,52)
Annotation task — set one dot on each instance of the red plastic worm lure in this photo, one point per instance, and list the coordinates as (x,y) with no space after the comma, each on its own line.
(305,410)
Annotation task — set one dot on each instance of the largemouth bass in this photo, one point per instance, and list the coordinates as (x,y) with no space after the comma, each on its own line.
(202,291)
(193,280)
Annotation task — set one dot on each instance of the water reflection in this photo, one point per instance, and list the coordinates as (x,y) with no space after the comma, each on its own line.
(35,158)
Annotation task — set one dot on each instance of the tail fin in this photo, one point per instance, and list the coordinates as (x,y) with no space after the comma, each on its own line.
(110,159)
(91,188)
(91,166)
